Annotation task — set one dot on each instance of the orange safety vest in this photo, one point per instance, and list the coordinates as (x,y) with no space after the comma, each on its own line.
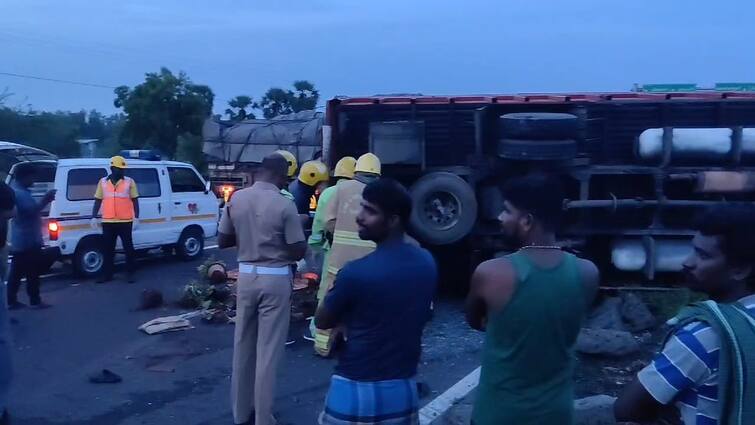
(116,200)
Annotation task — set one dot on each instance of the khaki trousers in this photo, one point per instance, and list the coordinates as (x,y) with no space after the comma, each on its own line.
(263,313)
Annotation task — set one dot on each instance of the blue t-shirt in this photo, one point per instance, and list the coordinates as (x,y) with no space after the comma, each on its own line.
(26,231)
(383,300)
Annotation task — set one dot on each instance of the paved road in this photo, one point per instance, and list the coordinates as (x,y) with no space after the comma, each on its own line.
(92,327)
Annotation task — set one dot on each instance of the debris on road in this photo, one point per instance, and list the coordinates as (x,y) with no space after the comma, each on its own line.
(149,299)
(607,342)
(607,315)
(169,323)
(595,410)
(636,313)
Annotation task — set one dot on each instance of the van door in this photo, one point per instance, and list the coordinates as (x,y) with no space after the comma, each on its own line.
(191,205)
(154,209)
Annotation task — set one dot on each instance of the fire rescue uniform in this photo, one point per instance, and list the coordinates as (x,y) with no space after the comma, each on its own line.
(293,165)
(340,221)
(312,173)
(344,170)
(118,216)
(264,223)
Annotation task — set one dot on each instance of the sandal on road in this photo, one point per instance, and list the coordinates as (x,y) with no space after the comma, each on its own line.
(105,377)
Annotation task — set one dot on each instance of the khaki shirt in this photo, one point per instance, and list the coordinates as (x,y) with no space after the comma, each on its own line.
(264,223)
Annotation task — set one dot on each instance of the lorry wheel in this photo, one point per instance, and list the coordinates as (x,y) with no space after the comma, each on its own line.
(190,245)
(537,150)
(89,257)
(444,208)
(538,126)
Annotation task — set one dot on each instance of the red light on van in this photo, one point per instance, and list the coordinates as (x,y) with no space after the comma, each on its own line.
(54,229)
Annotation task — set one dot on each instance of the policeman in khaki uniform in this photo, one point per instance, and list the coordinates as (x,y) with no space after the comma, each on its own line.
(267,231)
(340,222)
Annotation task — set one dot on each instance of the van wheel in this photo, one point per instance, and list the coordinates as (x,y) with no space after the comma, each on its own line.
(89,257)
(444,208)
(190,245)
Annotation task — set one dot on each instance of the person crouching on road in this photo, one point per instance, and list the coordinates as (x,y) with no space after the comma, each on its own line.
(705,372)
(383,302)
(26,239)
(268,233)
(119,199)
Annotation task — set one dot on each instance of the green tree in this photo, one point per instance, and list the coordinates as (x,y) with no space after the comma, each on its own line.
(161,108)
(305,96)
(277,101)
(238,106)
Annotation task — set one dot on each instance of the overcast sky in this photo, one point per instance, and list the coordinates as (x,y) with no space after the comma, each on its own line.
(363,47)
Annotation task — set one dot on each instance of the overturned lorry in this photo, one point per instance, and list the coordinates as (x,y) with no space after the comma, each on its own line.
(637,167)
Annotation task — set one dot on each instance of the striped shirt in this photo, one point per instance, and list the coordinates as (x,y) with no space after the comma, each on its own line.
(685,373)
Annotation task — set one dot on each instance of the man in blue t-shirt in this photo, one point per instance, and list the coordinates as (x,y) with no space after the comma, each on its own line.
(382,301)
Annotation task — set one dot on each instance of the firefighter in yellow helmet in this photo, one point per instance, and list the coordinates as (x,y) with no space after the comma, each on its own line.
(340,224)
(311,175)
(293,165)
(343,172)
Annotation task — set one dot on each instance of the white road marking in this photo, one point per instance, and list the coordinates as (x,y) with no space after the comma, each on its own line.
(56,274)
(436,408)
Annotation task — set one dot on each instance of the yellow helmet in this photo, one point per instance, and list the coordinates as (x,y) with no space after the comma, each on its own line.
(118,162)
(368,163)
(345,167)
(313,172)
(291,159)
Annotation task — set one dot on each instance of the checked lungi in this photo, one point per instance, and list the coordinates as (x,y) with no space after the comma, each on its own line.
(393,402)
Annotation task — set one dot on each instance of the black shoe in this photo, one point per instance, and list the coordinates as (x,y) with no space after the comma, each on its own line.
(15,305)
(105,377)
(5,418)
(251,420)
(41,305)
(131,278)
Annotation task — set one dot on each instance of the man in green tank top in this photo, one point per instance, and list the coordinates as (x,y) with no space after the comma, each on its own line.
(531,305)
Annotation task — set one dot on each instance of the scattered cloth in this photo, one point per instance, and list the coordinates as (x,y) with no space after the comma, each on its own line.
(169,323)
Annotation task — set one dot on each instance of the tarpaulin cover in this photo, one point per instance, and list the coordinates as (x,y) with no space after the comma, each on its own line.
(252,140)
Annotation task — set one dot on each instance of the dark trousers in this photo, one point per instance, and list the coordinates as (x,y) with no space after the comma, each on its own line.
(25,264)
(110,233)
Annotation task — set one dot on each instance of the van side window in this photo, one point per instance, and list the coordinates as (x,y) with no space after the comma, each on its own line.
(147,181)
(82,183)
(184,180)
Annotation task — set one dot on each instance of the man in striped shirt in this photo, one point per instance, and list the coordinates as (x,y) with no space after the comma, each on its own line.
(685,373)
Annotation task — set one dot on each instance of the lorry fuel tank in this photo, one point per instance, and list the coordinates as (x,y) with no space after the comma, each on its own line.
(650,255)
(703,145)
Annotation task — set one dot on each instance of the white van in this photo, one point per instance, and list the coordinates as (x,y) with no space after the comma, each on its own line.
(177,209)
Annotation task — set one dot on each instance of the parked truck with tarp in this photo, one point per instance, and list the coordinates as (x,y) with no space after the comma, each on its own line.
(636,167)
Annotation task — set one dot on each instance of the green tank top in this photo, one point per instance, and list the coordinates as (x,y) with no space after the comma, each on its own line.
(528,359)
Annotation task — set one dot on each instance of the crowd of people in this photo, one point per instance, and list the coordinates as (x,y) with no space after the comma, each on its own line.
(378,285)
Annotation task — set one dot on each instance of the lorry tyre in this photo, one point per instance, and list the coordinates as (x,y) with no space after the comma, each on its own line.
(89,257)
(190,245)
(538,126)
(537,150)
(444,208)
